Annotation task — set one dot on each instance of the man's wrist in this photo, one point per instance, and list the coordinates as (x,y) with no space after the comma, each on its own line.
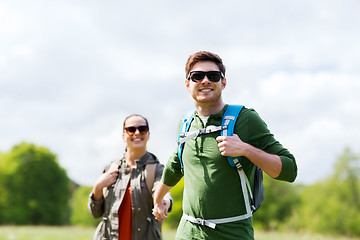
(248,151)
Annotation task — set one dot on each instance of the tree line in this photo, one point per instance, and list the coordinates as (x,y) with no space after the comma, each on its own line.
(35,189)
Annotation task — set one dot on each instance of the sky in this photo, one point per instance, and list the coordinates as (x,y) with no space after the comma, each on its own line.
(71,71)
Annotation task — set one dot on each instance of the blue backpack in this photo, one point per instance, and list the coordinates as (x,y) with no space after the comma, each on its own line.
(227,129)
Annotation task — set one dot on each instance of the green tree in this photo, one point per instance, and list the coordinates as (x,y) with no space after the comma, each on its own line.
(332,206)
(80,214)
(280,201)
(35,189)
(6,167)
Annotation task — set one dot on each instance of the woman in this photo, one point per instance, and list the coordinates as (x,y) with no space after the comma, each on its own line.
(123,193)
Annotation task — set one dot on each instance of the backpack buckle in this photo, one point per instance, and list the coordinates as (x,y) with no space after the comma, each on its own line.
(237,164)
(199,221)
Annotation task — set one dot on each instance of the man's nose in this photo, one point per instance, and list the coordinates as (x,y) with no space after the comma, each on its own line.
(205,80)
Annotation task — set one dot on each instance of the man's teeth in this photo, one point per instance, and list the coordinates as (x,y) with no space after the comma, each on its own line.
(206,90)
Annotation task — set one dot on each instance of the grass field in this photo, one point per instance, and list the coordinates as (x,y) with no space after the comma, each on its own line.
(81,233)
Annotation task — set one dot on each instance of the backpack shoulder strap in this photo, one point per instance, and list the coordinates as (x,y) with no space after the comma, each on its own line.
(185,125)
(229,120)
(111,167)
(150,169)
(257,196)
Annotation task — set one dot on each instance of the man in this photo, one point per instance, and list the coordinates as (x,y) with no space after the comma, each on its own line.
(212,188)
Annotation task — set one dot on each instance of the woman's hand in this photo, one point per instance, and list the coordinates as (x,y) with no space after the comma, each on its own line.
(105,180)
(161,209)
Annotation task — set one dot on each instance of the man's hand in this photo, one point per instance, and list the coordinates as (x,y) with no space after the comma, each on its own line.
(231,146)
(161,209)
(161,202)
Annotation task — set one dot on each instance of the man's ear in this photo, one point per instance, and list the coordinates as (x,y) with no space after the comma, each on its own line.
(223,83)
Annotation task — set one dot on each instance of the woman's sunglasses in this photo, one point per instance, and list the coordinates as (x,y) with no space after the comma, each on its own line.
(142,130)
(213,76)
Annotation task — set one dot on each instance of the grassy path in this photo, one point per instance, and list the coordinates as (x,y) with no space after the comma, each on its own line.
(86,233)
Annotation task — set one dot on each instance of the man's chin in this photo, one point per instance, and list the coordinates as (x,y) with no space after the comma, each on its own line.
(205,99)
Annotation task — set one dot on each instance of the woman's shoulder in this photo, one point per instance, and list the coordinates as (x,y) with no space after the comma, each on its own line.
(113,164)
(151,158)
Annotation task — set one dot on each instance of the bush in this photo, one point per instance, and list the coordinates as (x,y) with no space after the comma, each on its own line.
(34,188)
(80,214)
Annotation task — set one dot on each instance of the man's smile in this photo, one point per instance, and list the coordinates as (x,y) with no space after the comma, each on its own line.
(206,89)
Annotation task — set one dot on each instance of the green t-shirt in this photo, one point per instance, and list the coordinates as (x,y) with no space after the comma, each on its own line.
(212,187)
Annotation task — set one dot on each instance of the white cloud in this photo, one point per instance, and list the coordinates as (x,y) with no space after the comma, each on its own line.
(316,113)
(10,21)
(70,73)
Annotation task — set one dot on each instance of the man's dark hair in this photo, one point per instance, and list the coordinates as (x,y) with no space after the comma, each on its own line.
(203,56)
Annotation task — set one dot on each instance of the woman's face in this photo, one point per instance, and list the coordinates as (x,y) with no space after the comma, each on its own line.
(136,132)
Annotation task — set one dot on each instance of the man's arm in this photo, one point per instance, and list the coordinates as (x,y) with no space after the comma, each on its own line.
(161,204)
(233,146)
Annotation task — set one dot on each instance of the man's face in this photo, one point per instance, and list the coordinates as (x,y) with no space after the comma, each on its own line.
(205,91)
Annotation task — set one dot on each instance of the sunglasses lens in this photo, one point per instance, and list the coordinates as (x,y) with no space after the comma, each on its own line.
(214,76)
(143,129)
(197,76)
(130,130)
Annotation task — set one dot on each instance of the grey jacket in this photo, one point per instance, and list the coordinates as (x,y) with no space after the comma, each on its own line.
(144,224)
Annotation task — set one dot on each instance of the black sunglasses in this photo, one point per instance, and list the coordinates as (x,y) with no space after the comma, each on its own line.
(142,130)
(213,76)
